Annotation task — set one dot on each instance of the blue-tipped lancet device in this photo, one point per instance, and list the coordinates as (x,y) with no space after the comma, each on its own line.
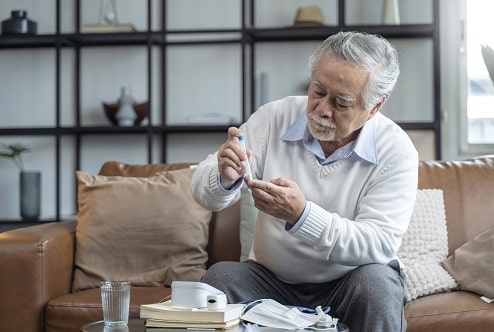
(248,171)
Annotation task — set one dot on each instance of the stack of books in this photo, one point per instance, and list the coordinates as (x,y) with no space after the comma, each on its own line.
(165,315)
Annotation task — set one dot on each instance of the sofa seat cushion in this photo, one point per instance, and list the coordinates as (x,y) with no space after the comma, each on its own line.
(452,311)
(69,312)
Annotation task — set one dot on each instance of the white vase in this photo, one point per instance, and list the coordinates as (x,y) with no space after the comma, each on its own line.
(391,12)
(126,114)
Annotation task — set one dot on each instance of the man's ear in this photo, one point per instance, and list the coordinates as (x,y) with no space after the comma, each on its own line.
(377,107)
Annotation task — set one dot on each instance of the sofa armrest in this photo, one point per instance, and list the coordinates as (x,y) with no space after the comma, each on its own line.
(37,265)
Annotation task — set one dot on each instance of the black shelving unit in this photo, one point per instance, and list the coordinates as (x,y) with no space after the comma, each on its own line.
(247,36)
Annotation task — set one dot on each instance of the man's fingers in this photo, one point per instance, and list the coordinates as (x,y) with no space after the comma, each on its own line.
(233,133)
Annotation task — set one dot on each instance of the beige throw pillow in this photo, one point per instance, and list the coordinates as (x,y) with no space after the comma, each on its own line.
(472,264)
(149,231)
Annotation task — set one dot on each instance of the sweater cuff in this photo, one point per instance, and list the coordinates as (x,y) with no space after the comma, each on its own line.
(314,225)
(216,187)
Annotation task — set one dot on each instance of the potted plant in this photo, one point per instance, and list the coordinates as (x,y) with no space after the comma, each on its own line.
(14,152)
(30,181)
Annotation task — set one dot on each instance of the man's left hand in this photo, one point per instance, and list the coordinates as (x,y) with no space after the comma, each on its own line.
(280,198)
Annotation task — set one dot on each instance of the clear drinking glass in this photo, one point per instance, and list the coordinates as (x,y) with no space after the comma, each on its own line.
(115,299)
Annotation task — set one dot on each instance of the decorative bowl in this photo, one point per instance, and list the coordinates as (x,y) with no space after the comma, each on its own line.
(141,109)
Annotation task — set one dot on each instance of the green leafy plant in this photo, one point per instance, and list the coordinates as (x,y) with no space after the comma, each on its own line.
(488,56)
(14,152)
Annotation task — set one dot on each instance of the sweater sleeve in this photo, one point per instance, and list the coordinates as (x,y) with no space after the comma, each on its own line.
(206,187)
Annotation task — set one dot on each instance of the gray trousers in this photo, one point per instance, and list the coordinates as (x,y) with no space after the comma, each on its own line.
(370,298)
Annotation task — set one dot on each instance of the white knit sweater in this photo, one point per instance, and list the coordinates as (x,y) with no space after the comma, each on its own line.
(359,211)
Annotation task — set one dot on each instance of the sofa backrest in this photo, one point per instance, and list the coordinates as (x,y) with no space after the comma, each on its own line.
(468,188)
(224,235)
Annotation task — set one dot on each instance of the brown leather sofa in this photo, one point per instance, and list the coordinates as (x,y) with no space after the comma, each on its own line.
(37,262)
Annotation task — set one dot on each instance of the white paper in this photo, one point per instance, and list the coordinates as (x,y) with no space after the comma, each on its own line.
(270,313)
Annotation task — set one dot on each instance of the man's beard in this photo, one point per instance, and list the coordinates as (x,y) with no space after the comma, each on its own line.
(321,128)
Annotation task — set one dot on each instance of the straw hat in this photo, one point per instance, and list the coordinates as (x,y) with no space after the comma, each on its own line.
(309,16)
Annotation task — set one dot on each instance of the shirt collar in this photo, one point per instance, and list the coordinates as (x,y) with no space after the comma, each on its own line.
(364,146)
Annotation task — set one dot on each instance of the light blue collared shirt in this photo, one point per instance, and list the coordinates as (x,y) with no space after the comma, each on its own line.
(364,147)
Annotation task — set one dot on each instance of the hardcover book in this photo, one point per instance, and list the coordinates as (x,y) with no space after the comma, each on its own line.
(108,28)
(199,326)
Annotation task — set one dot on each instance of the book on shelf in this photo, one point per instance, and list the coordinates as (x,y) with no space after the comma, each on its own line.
(210,119)
(199,326)
(108,28)
(165,312)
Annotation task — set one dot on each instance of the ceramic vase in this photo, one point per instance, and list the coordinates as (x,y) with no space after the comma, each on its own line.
(30,195)
(126,115)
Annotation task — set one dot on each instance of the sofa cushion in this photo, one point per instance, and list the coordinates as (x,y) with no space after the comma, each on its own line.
(472,264)
(425,246)
(451,312)
(148,230)
(468,187)
(118,168)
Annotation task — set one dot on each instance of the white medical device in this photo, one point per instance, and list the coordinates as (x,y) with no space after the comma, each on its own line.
(193,294)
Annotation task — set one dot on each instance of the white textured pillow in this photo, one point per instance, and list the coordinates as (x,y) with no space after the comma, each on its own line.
(425,246)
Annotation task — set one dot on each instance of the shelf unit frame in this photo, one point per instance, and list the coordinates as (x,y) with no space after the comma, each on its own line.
(248,37)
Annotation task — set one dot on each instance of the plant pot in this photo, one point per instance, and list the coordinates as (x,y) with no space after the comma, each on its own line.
(30,195)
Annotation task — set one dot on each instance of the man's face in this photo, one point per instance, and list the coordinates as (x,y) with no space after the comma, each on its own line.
(335,107)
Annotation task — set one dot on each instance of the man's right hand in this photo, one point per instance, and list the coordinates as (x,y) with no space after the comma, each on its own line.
(230,159)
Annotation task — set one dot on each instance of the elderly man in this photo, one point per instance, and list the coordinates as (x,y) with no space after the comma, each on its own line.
(334,181)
